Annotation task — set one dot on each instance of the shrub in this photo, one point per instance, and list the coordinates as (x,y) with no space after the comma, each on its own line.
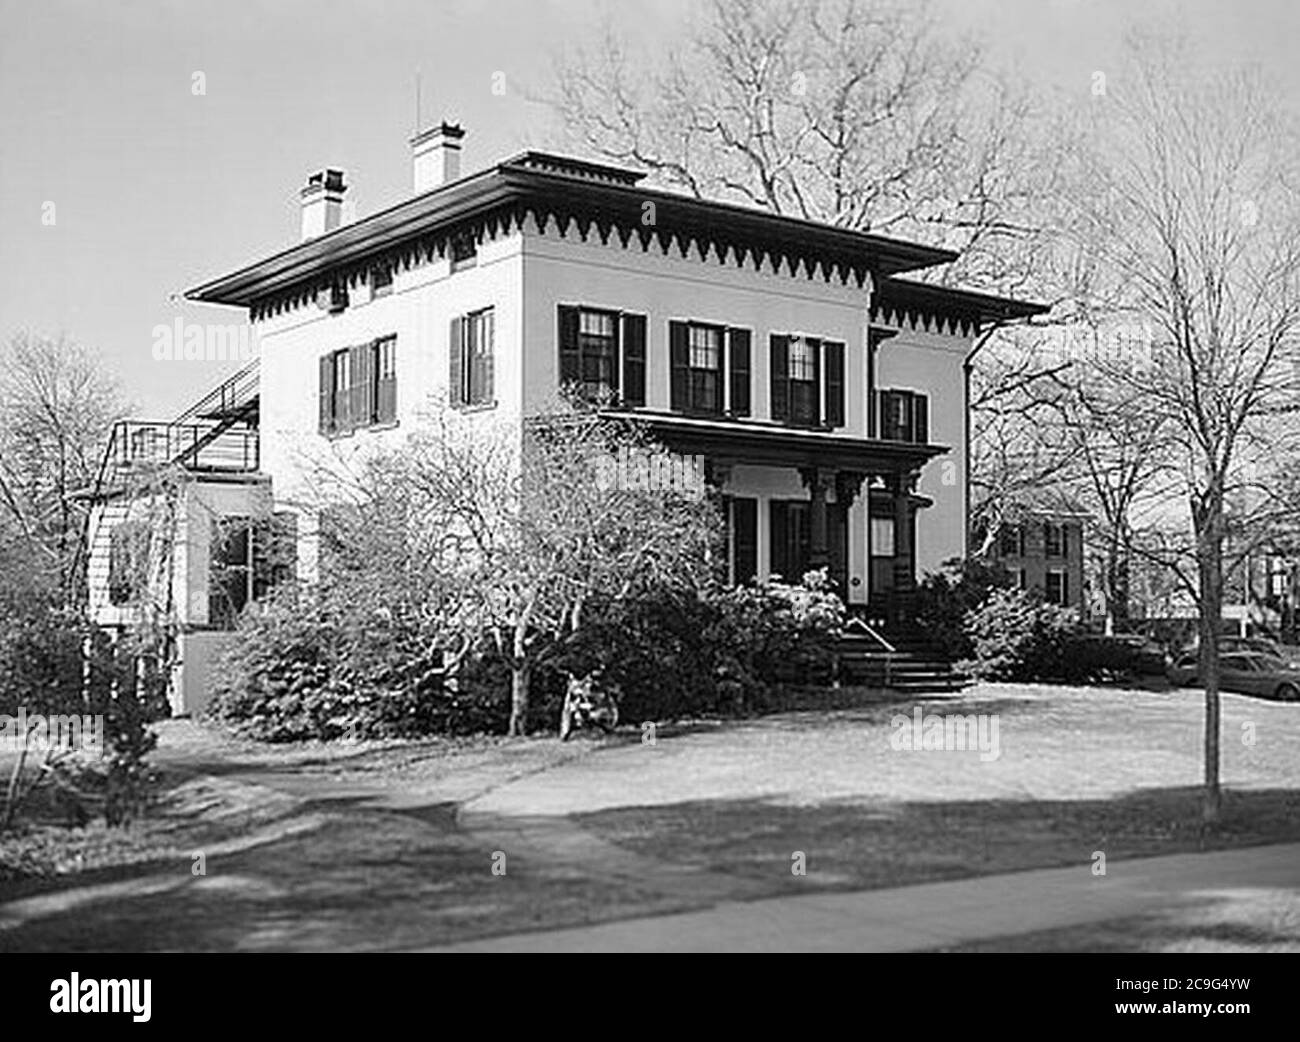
(945,598)
(717,650)
(1015,636)
(312,670)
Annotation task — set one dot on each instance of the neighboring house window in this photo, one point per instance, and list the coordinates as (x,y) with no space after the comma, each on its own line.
(603,354)
(1054,540)
(1011,541)
(128,562)
(472,353)
(805,372)
(1057,586)
(1019,578)
(358,386)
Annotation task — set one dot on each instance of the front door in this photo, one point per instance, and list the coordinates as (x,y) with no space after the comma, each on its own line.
(791,542)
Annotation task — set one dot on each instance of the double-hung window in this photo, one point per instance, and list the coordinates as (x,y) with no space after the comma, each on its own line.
(472,353)
(603,354)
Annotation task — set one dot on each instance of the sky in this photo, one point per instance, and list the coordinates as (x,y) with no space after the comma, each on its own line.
(156,188)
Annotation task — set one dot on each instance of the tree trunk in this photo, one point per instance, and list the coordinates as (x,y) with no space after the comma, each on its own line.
(1209,554)
(519,677)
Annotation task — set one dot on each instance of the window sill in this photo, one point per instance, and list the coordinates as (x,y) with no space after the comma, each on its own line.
(477,407)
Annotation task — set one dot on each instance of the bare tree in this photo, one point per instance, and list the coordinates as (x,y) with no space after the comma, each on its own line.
(865,114)
(512,536)
(57,409)
(1195,214)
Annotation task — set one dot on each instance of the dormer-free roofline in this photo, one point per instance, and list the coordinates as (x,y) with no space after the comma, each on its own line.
(594,191)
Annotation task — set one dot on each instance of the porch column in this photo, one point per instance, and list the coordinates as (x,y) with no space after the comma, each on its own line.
(904,576)
(818,482)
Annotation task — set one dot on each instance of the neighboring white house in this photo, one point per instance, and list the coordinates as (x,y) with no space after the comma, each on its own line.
(827,394)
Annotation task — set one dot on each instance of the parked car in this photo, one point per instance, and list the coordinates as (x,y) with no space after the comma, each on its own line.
(1130,653)
(1262,645)
(1246,672)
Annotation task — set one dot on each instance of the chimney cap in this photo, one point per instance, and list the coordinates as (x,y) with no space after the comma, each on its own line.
(327,180)
(451,133)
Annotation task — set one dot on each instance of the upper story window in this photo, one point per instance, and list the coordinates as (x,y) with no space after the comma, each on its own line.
(602,354)
(463,250)
(807,381)
(903,416)
(1011,541)
(1057,587)
(381,281)
(472,348)
(1054,539)
(358,386)
(709,369)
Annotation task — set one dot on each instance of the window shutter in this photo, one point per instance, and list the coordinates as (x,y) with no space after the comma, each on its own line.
(835,384)
(779,516)
(326,393)
(362,384)
(634,327)
(679,359)
(738,360)
(455,359)
(889,415)
(817,380)
(745,528)
(570,367)
(489,357)
(922,417)
(780,378)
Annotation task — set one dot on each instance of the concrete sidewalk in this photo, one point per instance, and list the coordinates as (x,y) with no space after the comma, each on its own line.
(934,914)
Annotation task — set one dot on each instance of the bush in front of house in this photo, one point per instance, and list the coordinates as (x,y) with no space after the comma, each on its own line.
(313,669)
(719,650)
(1016,636)
(945,598)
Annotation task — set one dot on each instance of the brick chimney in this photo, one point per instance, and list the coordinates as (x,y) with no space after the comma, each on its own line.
(435,156)
(322,203)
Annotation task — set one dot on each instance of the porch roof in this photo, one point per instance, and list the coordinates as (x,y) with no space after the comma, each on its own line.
(758,443)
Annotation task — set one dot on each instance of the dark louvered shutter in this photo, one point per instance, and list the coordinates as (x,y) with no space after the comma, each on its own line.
(889,415)
(363,382)
(779,515)
(455,364)
(738,358)
(744,513)
(922,407)
(570,364)
(835,384)
(679,360)
(634,327)
(817,380)
(780,378)
(326,393)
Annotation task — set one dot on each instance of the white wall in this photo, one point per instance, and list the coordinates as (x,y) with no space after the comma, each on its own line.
(419,311)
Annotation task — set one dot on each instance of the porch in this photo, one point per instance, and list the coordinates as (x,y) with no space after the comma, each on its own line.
(801,500)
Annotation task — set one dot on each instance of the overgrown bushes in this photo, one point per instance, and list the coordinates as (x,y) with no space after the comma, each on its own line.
(1016,636)
(305,671)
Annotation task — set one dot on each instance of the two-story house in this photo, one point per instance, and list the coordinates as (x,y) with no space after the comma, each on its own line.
(826,391)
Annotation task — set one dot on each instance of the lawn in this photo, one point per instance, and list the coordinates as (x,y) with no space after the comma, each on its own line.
(394,845)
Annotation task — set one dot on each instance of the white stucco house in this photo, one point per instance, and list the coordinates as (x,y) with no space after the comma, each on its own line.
(826,391)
